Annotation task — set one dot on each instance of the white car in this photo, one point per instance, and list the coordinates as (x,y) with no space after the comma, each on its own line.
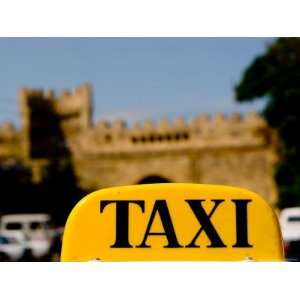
(31,230)
(10,249)
(290,227)
(290,223)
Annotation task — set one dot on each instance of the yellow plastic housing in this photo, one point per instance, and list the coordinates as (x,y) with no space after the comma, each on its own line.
(172,222)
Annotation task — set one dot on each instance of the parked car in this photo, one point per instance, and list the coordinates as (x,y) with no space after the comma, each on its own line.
(290,227)
(10,249)
(55,249)
(34,231)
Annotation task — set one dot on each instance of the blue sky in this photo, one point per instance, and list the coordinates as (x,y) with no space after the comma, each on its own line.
(133,78)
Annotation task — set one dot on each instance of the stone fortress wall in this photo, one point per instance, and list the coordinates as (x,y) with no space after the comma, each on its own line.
(234,150)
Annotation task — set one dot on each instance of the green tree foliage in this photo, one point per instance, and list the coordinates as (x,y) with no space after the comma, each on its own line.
(275,78)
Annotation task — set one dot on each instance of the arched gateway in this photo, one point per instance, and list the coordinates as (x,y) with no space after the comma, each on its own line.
(153,179)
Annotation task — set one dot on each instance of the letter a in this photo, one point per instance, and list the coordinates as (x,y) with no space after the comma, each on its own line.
(161,208)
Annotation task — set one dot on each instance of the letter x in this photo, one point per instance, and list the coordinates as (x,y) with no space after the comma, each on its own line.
(205,222)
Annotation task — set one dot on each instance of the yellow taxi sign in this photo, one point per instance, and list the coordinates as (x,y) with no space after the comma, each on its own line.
(172,222)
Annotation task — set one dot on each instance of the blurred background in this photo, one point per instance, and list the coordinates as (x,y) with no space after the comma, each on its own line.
(80,114)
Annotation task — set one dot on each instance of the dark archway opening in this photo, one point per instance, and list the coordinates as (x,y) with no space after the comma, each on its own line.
(153,179)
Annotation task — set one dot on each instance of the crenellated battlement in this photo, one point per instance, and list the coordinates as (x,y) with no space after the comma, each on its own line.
(235,119)
(68,106)
(73,110)
(51,96)
(211,130)
(202,120)
(63,103)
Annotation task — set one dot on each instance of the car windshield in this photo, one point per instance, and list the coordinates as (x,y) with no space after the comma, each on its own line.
(14,226)
(294,219)
(36,225)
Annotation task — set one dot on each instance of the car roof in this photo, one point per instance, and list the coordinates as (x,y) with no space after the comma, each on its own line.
(25,217)
(291,211)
